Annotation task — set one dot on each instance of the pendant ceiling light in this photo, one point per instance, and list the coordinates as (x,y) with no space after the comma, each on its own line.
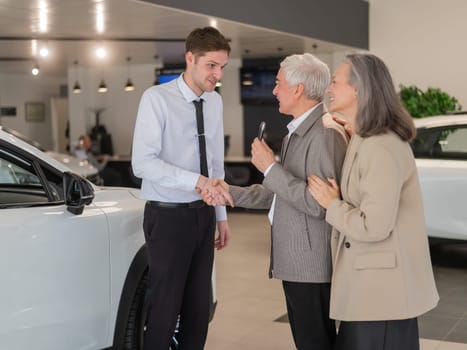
(129,85)
(76,86)
(102,87)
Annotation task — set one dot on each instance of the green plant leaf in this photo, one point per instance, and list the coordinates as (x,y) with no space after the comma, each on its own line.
(433,101)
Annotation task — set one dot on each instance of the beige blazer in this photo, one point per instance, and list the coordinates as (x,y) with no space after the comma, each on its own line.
(381,260)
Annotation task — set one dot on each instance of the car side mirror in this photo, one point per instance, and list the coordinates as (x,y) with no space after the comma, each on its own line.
(78,192)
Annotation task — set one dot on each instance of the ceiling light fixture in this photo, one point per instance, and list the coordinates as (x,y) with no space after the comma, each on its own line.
(247,79)
(35,69)
(129,85)
(43,18)
(100,21)
(44,51)
(34,47)
(101,52)
(76,87)
(102,87)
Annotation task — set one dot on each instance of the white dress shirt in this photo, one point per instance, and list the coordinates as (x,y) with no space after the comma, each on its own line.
(292,126)
(165,142)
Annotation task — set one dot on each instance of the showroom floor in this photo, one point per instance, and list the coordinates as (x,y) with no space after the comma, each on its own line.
(251,312)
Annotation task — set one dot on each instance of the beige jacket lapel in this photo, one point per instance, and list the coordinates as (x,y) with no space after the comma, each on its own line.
(350,158)
(337,240)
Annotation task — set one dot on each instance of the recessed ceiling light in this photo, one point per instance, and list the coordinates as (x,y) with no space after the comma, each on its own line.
(34,47)
(100,21)
(101,52)
(44,52)
(35,69)
(43,20)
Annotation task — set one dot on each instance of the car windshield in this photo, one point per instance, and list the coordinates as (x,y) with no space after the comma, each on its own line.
(24,138)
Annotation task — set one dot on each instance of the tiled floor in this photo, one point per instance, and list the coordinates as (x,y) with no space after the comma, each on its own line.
(448,321)
(249,301)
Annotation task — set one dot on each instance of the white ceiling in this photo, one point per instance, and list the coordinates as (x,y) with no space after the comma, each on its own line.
(123,20)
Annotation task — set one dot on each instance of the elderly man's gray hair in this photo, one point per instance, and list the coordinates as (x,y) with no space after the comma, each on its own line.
(308,70)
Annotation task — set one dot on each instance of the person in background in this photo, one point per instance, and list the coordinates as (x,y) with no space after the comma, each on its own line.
(300,237)
(110,176)
(178,148)
(382,274)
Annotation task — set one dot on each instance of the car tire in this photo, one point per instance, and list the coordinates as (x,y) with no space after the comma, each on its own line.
(136,324)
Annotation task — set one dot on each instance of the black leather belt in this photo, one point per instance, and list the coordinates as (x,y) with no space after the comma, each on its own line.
(195,204)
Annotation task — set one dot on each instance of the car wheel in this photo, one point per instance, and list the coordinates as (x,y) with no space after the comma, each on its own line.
(136,325)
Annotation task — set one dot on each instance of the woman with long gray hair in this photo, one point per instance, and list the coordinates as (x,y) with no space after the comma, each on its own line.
(382,274)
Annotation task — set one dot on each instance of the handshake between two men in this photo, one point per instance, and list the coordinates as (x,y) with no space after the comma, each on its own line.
(216,191)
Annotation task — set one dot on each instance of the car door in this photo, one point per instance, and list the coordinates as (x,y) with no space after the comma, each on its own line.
(442,166)
(54,266)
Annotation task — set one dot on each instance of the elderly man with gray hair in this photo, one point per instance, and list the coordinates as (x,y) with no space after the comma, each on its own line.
(300,236)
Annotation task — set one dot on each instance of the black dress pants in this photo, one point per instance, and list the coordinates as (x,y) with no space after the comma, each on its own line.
(308,312)
(378,335)
(180,244)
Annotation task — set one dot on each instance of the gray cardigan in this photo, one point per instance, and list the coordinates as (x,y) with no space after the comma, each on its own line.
(300,236)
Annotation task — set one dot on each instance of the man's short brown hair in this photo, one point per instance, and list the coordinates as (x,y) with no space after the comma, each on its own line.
(202,40)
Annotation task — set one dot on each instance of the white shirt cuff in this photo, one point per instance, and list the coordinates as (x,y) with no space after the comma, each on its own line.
(268,169)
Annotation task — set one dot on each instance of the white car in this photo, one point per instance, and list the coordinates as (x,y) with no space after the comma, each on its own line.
(80,167)
(440,150)
(73,257)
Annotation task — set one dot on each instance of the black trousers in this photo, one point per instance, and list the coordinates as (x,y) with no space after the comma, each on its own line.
(308,312)
(180,244)
(378,335)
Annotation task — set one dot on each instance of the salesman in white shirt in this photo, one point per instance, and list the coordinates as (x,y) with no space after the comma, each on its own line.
(178,149)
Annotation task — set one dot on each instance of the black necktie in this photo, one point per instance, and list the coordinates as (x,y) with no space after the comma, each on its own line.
(202,141)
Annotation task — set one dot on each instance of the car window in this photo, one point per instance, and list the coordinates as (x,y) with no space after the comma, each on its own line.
(454,140)
(21,183)
(12,174)
(441,143)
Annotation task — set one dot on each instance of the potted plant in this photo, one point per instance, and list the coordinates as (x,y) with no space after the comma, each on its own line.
(433,101)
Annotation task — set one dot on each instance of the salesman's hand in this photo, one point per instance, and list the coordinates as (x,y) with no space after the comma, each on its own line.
(261,155)
(216,192)
(223,238)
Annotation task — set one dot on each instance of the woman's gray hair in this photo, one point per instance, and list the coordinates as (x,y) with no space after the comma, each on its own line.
(308,70)
(379,107)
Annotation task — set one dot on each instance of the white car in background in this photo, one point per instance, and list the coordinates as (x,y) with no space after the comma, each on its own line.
(73,260)
(440,150)
(80,167)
